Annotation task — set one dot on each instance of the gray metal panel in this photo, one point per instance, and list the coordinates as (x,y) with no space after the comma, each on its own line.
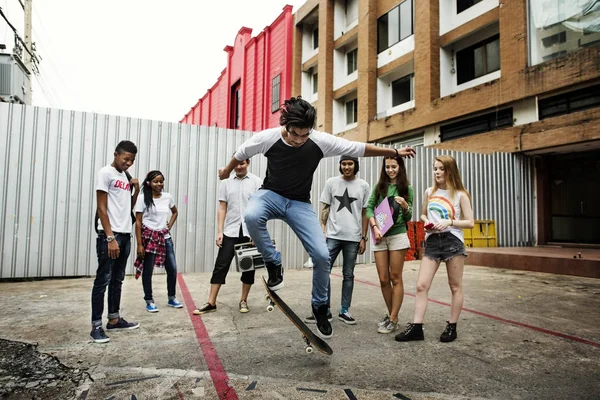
(50,157)
(501,186)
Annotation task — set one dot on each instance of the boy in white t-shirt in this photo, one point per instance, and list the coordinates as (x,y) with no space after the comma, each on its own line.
(155,214)
(113,194)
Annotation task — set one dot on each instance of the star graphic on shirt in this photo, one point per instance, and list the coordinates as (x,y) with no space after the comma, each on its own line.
(345,201)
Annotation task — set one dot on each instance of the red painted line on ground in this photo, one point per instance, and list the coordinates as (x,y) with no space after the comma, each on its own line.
(217,372)
(179,394)
(494,317)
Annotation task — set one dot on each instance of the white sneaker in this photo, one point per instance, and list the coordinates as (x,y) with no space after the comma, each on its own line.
(388,328)
(383,321)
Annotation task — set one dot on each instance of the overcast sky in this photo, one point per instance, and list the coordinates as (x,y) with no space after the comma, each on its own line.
(141,58)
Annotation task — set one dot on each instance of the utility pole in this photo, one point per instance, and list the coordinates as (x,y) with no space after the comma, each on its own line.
(28,41)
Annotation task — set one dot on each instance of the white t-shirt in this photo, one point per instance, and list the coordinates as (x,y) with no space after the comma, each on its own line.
(347,200)
(156,217)
(442,206)
(116,184)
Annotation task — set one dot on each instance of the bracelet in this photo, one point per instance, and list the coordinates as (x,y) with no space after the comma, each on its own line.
(364,238)
(397,154)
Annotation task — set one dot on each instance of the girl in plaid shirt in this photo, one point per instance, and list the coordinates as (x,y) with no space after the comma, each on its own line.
(155,215)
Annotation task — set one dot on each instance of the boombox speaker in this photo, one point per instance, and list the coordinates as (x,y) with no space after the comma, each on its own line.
(247,257)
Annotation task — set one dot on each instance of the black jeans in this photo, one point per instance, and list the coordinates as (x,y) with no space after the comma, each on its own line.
(111,273)
(170,267)
(224,258)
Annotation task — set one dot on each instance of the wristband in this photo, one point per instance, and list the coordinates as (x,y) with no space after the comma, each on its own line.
(397,154)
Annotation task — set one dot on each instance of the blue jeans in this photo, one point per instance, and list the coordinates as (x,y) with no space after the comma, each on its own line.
(265,205)
(170,267)
(350,252)
(111,273)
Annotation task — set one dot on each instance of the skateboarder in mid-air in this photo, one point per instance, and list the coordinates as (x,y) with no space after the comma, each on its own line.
(293,153)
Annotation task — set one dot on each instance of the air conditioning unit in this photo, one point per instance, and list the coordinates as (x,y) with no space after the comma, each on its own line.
(15,82)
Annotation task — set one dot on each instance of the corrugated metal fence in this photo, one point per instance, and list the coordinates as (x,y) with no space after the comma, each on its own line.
(50,158)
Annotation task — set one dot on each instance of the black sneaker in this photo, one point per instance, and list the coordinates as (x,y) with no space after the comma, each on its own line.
(323,325)
(449,333)
(412,332)
(347,318)
(122,325)
(98,335)
(311,319)
(275,281)
(206,308)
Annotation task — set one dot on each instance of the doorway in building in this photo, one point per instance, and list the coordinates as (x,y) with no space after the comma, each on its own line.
(235,106)
(575,197)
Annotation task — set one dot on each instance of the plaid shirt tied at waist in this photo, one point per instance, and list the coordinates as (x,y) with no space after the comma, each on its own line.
(153,242)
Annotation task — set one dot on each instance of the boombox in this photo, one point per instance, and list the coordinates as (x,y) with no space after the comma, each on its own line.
(247,257)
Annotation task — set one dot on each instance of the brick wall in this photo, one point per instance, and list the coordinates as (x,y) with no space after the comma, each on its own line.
(517,80)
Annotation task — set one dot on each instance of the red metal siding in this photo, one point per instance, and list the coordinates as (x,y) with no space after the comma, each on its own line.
(254,62)
(248,88)
(277,64)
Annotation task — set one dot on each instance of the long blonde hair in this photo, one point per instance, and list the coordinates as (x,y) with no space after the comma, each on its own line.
(453,180)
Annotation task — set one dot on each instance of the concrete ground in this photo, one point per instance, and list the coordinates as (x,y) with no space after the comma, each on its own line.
(522,335)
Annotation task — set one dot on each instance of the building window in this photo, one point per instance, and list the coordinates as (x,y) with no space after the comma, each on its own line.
(478,60)
(559,27)
(315,39)
(352,58)
(351,11)
(351,111)
(395,26)
(480,124)
(555,39)
(570,102)
(462,5)
(275,93)
(402,91)
(315,83)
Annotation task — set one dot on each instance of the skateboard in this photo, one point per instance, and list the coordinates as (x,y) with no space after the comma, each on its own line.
(311,340)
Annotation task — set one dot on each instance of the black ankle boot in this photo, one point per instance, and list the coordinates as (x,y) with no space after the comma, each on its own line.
(449,333)
(412,332)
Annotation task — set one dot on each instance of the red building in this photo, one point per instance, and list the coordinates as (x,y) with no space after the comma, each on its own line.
(258,77)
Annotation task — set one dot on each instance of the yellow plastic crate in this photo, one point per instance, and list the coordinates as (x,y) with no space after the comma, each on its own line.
(483,234)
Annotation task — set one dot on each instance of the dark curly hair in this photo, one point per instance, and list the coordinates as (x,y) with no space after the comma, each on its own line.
(298,113)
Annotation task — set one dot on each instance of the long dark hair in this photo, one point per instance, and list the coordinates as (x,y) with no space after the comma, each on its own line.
(147,188)
(401,180)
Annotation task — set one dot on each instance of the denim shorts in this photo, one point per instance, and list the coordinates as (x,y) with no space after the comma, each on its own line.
(443,246)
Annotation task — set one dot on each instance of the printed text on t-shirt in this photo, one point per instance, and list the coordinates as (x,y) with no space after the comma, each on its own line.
(121,185)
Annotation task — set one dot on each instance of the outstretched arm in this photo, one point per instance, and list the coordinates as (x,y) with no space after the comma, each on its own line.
(374,151)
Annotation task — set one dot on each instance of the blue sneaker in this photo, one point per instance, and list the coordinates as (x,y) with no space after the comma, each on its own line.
(151,307)
(174,303)
(122,324)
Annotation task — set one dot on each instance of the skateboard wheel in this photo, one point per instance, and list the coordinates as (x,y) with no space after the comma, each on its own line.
(270,308)
(309,349)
